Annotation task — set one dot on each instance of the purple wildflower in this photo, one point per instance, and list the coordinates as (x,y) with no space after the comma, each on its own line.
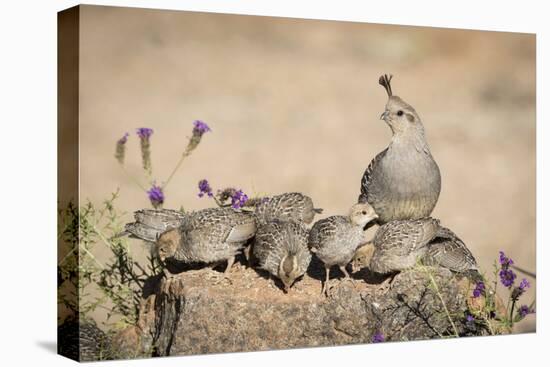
(238,199)
(470,319)
(378,337)
(204,188)
(524,311)
(504,260)
(479,289)
(200,127)
(524,284)
(144,133)
(507,277)
(120,152)
(156,196)
(518,291)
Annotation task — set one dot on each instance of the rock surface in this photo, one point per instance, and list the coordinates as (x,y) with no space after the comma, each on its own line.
(194,313)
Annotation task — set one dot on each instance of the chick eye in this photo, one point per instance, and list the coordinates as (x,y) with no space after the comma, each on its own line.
(364,212)
(399,113)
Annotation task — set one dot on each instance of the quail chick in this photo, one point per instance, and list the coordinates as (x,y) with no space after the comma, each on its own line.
(448,251)
(209,236)
(292,206)
(281,249)
(335,239)
(150,223)
(400,244)
(403,181)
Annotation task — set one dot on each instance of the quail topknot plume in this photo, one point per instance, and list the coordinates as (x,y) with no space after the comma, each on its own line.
(280,248)
(335,239)
(399,245)
(403,181)
(292,206)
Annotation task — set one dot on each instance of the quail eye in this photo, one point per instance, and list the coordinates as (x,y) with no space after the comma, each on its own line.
(400,113)
(364,212)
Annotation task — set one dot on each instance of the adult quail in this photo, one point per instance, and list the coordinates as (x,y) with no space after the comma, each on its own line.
(211,236)
(335,239)
(403,181)
(280,248)
(150,223)
(400,244)
(292,206)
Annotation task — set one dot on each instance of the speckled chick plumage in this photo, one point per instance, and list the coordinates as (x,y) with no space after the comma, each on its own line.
(403,181)
(150,223)
(280,247)
(335,239)
(292,206)
(207,236)
(399,245)
(449,251)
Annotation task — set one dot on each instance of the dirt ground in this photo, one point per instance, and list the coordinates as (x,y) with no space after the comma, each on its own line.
(294,105)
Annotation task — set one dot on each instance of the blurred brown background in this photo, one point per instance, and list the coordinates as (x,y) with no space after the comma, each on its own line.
(294,106)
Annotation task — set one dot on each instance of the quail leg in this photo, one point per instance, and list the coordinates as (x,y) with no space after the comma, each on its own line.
(325,284)
(346,274)
(225,275)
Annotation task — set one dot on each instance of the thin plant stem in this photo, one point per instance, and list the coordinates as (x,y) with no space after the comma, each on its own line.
(436,288)
(178,165)
(133,178)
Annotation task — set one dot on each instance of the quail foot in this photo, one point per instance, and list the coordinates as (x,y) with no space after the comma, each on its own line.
(403,181)
(335,239)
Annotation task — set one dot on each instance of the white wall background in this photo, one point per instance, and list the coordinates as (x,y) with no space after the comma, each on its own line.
(28,155)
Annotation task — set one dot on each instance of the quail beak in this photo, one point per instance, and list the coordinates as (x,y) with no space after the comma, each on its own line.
(286,288)
(384,115)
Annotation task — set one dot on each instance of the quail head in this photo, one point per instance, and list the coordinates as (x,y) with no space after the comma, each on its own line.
(335,239)
(403,181)
(280,248)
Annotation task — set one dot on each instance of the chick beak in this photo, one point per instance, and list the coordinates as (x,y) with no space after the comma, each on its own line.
(287,288)
(384,115)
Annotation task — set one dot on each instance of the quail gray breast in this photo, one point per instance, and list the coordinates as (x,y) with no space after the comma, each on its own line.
(399,245)
(292,206)
(335,239)
(403,181)
(280,248)
(212,236)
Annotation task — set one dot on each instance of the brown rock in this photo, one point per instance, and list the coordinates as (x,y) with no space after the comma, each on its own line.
(192,314)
